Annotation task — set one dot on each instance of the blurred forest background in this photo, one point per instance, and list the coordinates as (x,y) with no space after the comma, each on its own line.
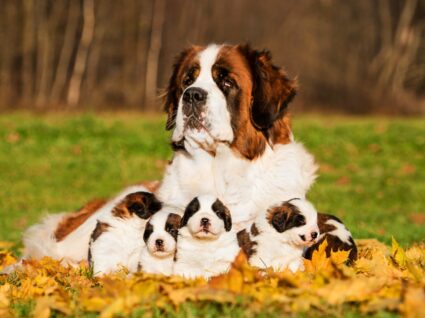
(363,56)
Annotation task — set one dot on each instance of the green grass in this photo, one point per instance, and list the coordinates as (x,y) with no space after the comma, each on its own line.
(372,169)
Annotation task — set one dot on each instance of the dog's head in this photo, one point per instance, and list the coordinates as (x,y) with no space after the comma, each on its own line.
(206,217)
(229,94)
(141,204)
(295,221)
(161,233)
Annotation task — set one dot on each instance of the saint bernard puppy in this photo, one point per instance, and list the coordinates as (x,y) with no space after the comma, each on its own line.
(206,245)
(227,107)
(337,235)
(278,237)
(160,238)
(66,236)
(117,240)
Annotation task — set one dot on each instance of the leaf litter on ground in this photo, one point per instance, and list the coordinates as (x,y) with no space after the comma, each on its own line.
(382,279)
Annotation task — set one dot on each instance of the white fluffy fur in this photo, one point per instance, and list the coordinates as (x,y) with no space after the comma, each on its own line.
(201,255)
(119,246)
(245,187)
(152,261)
(284,250)
(39,239)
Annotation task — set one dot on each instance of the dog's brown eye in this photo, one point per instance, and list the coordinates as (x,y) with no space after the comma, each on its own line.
(228,84)
(187,81)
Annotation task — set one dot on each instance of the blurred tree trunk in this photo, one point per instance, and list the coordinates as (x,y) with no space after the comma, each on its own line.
(65,57)
(44,54)
(154,50)
(400,44)
(80,65)
(28,52)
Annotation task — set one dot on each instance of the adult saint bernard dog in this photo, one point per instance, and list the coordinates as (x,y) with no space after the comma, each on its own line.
(227,107)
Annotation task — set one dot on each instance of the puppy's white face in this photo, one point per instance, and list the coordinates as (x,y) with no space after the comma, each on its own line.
(202,115)
(207,218)
(161,233)
(295,221)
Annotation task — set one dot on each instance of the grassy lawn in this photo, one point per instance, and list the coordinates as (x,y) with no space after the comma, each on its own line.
(372,171)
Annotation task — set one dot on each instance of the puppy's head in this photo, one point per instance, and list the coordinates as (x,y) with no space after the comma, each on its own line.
(207,217)
(296,221)
(161,232)
(141,204)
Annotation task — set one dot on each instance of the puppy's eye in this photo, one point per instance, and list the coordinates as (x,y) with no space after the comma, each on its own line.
(299,220)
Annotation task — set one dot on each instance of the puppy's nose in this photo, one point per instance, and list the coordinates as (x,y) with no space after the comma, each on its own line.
(314,235)
(159,243)
(195,95)
(302,237)
(205,222)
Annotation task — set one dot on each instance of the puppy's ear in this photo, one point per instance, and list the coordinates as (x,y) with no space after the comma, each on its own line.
(172,224)
(143,204)
(148,231)
(190,210)
(272,90)
(278,220)
(174,89)
(223,213)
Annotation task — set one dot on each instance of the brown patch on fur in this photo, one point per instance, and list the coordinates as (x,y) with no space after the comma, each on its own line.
(143,204)
(254,230)
(248,141)
(285,217)
(182,65)
(72,221)
(261,116)
(152,186)
(139,267)
(246,244)
(172,224)
(321,222)
(280,133)
(100,228)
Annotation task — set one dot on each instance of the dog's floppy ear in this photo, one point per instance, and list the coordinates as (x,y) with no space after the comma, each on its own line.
(174,90)
(190,210)
(278,220)
(223,213)
(272,90)
(143,204)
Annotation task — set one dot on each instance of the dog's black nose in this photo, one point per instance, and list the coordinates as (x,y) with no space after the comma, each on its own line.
(302,237)
(159,242)
(314,235)
(205,221)
(195,95)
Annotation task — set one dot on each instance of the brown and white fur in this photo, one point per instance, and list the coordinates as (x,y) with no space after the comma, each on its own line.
(66,236)
(206,245)
(227,106)
(117,240)
(160,237)
(278,237)
(337,235)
